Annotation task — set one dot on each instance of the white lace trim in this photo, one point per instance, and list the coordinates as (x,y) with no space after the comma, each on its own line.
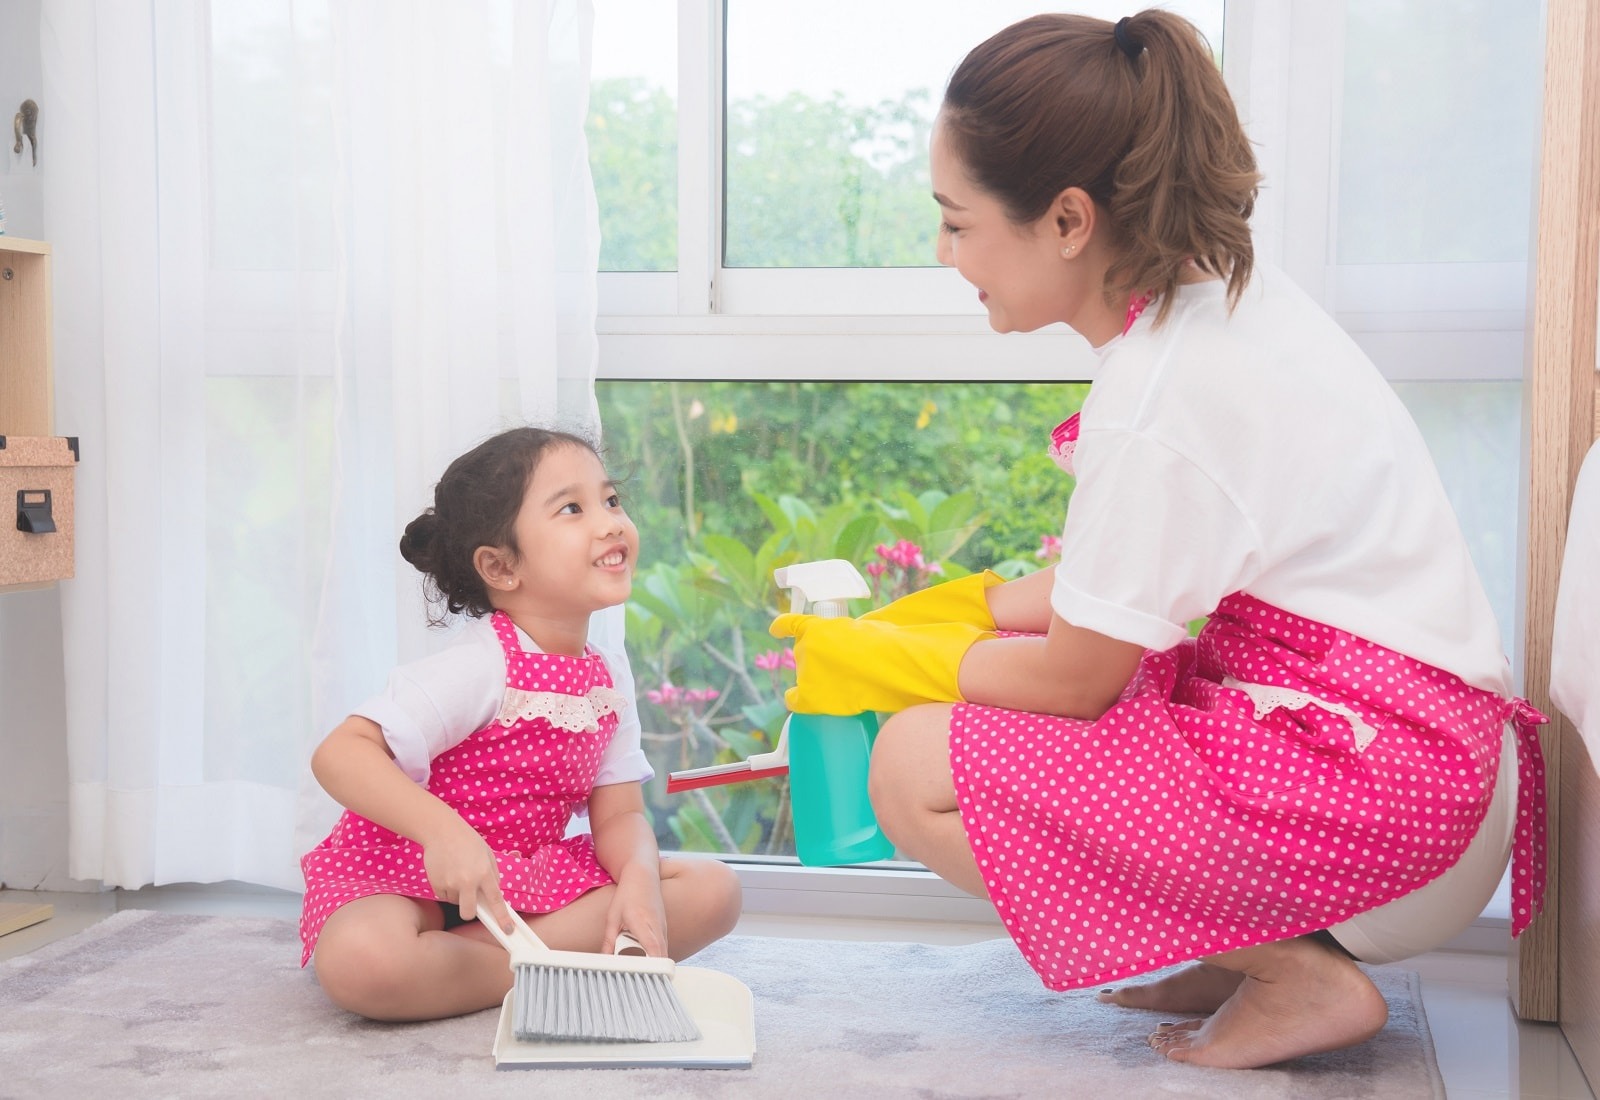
(573,713)
(1268,699)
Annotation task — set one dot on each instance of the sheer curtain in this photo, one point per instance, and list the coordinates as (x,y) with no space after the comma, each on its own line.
(306,252)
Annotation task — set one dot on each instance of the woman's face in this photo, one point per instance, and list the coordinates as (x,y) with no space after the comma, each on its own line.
(1021,276)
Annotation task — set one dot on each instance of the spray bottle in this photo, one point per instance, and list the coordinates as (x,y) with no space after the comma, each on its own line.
(827,756)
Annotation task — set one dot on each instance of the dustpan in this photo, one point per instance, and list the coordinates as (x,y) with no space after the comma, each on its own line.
(720,1004)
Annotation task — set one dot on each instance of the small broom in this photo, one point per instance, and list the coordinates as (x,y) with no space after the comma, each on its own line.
(579,995)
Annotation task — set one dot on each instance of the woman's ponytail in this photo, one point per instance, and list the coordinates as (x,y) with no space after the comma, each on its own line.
(1186,186)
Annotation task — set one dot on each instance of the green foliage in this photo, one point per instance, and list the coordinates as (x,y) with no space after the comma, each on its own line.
(731,481)
(827,184)
(633,156)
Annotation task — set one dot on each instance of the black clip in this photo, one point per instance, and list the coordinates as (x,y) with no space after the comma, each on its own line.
(34,516)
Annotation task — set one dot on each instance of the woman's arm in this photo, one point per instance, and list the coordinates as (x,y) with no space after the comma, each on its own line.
(1023,604)
(355,766)
(625,845)
(1071,672)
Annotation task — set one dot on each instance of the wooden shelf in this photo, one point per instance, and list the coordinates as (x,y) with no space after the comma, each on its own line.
(27,388)
(36,474)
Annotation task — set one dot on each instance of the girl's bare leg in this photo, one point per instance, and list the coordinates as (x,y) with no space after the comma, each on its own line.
(1295,997)
(913,794)
(389,958)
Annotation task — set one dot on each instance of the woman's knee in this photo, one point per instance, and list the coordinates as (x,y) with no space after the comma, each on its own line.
(910,754)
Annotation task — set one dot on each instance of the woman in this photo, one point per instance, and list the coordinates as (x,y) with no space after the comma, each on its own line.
(1330,770)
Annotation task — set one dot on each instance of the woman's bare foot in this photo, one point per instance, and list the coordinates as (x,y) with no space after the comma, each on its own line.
(1199,987)
(1297,997)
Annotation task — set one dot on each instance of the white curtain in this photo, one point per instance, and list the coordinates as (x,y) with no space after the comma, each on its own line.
(306,252)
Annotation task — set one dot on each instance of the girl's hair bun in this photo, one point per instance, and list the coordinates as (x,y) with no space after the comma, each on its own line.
(417,544)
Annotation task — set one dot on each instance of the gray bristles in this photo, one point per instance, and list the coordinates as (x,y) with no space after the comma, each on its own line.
(558,1002)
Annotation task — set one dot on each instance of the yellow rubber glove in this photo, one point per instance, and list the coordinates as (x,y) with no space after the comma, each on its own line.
(963,600)
(846,666)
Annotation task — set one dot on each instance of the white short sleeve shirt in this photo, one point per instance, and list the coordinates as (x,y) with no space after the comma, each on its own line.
(433,704)
(1260,451)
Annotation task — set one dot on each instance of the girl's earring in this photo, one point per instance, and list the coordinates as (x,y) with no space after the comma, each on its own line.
(1066,253)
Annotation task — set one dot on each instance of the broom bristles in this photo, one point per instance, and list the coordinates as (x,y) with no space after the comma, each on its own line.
(602,1004)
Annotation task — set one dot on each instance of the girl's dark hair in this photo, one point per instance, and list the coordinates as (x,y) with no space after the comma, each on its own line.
(1135,114)
(476,504)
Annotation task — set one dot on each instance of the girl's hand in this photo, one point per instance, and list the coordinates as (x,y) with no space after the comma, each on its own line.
(462,870)
(637,909)
(354,765)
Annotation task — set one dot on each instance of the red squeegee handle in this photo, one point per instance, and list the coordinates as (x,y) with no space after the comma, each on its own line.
(689,780)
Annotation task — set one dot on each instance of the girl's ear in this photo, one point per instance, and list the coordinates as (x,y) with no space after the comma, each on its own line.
(496,567)
(1073,216)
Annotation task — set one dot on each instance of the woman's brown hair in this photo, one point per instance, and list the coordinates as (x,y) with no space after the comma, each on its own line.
(1137,115)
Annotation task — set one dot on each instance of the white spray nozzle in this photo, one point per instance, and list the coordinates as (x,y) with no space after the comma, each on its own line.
(826,586)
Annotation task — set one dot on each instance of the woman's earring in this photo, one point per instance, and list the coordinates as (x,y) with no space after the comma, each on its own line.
(1066,253)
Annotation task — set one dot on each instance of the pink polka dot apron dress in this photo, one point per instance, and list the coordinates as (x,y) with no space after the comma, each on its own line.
(1271,777)
(517,781)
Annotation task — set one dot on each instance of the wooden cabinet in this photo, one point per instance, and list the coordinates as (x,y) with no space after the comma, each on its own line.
(36,467)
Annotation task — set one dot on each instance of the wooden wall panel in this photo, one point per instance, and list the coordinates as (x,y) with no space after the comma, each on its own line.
(1559,401)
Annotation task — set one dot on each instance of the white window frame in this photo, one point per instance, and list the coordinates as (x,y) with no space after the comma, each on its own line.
(1283,62)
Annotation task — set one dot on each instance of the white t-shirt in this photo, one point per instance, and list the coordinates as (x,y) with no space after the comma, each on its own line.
(435,703)
(1262,452)
(1575,645)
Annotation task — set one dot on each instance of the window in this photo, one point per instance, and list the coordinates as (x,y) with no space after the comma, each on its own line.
(801,315)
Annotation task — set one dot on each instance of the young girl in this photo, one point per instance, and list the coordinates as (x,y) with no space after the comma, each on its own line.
(461,777)
(1330,771)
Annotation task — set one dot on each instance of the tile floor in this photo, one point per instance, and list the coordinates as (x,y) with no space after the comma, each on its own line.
(1484,1051)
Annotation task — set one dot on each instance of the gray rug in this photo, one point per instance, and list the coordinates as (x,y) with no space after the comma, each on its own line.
(149,1004)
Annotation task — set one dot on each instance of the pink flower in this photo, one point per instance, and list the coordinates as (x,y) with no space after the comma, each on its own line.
(907,555)
(672,697)
(877,569)
(774,660)
(1049,548)
(667,695)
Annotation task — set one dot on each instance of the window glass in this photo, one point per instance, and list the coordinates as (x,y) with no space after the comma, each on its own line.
(1439,131)
(1474,432)
(829,105)
(633,133)
(729,480)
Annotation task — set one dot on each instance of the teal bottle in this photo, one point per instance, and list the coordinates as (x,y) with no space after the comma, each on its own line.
(833,820)
(829,755)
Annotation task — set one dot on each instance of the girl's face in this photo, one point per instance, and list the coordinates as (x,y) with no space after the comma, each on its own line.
(1022,278)
(577,547)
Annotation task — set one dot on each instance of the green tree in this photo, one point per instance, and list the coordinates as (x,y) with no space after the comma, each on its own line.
(633,156)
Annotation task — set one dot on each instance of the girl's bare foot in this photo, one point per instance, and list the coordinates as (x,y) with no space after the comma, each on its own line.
(1199,987)
(1297,997)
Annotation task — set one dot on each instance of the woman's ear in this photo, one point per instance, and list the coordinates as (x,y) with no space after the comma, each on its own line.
(1072,217)
(496,567)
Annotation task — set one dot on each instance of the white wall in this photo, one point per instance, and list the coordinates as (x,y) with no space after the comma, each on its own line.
(33,726)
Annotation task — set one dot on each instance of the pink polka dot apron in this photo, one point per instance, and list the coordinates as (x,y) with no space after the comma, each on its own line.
(517,781)
(1272,777)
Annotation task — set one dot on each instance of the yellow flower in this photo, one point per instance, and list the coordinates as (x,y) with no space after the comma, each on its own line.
(925,417)
(724,423)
